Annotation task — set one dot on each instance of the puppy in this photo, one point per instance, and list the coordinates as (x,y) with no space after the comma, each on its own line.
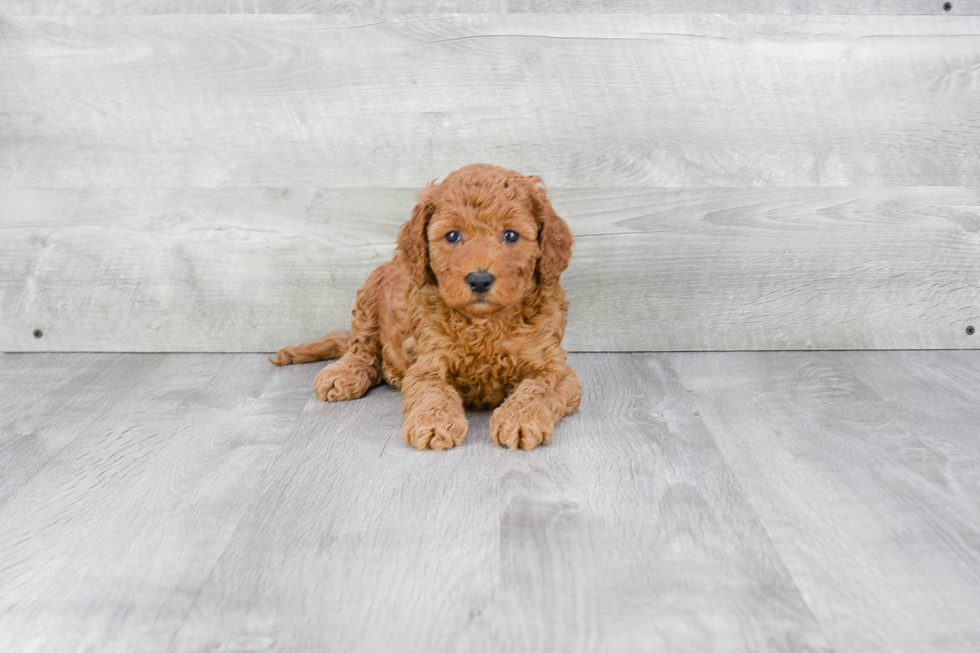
(469,313)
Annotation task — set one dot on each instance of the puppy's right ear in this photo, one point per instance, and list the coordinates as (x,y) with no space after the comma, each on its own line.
(412,239)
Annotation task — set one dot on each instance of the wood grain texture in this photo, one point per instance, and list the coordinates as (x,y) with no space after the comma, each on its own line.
(865,470)
(654,269)
(697,502)
(138,479)
(211,503)
(484,551)
(78,388)
(100,7)
(175,182)
(605,533)
(606,100)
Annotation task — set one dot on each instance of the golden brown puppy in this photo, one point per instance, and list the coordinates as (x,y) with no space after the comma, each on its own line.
(469,313)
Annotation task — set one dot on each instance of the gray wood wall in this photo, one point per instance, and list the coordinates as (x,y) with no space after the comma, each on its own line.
(222,175)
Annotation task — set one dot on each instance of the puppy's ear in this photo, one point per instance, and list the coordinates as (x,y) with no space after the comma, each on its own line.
(554,236)
(412,239)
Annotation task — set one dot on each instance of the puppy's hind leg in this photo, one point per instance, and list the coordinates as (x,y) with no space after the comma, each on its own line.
(359,369)
(330,346)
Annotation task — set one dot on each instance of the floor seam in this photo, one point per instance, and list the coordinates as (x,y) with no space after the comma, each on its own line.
(750,504)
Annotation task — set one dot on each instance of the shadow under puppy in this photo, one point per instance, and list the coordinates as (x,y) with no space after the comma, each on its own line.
(470,312)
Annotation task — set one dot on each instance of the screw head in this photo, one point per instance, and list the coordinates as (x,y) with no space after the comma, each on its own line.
(970,330)
(947,6)
(38,333)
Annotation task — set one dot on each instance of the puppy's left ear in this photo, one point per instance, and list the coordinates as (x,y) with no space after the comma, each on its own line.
(554,236)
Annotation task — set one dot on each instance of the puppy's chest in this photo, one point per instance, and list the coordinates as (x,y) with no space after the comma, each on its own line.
(486,369)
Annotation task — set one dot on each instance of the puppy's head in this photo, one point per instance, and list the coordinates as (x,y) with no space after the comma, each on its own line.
(487,238)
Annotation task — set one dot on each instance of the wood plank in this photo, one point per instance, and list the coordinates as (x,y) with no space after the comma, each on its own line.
(605,100)
(803,269)
(654,269)
(78,388)
(209,502)
(105,545)
(99,7)
(864,470)
(627,533)
(358,542)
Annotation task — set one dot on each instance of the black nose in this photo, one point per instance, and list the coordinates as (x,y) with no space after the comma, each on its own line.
(480,282)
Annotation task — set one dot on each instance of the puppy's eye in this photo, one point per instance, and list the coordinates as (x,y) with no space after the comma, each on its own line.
(511,236)
(452,237)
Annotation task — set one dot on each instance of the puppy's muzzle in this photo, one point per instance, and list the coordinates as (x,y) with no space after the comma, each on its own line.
(480,282)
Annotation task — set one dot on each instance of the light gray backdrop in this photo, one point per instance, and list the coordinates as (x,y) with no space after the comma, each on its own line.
(221,176)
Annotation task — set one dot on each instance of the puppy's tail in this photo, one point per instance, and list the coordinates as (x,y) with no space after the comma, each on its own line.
(333,345)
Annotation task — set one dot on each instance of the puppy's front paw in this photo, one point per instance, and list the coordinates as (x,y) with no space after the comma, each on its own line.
(340,382)
(435,428)
(524,425)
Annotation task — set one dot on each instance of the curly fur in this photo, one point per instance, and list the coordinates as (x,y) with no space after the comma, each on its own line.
(418,325)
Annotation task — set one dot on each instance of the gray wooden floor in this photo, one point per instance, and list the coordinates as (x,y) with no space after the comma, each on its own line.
(698,502)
